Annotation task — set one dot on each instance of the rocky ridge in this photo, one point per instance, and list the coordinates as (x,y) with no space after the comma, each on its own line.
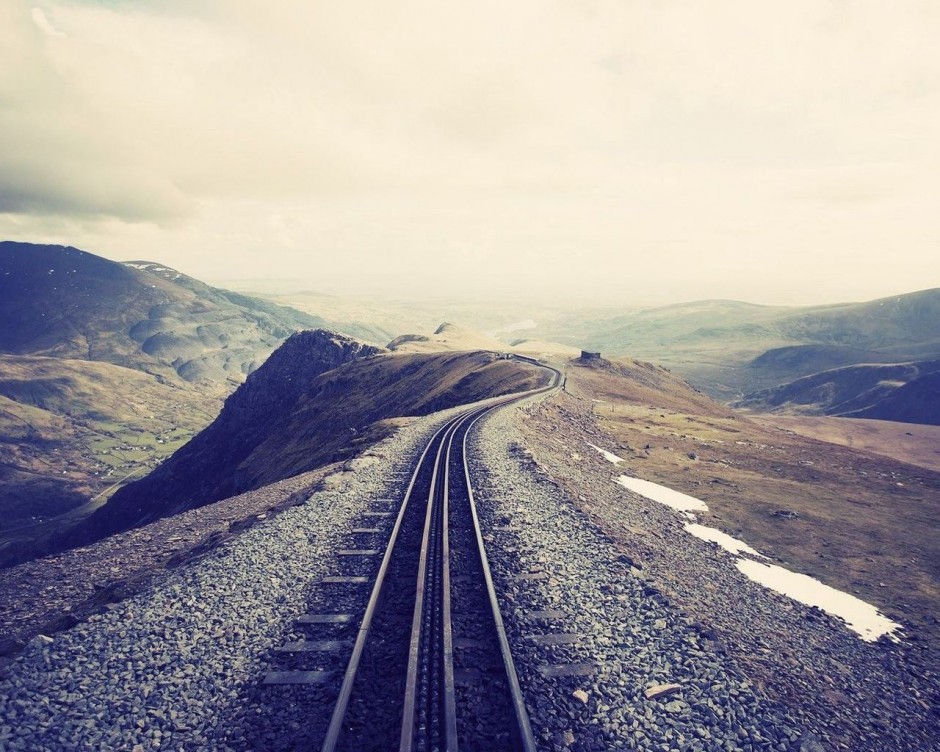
(206,469)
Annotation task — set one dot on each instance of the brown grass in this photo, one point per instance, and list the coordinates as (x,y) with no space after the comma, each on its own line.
(913,443)
(865,523)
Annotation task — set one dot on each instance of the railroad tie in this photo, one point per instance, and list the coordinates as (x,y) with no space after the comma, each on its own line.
(313,646)
(344,580)
(534,576)
(297,677)
(325,619)
(358,552)
(550,671)
(469,643)
(376,514)
(366,530)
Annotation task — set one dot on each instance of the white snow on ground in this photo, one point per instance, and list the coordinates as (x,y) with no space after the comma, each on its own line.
(679,501)
(861,617)
(609,456)
(732,545)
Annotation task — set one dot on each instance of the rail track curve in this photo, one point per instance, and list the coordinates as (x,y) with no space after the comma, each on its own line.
(431,668)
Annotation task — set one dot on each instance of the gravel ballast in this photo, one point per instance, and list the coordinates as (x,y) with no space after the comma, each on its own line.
(178,665)
(670,647)
(842,692)
(547,556)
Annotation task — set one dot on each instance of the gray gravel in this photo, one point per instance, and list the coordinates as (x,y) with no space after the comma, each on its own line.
(853,695)
(627,628)
(175,666)
(178,665)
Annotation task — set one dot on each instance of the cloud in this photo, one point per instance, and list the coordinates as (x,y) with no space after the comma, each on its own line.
(591,126)
(39,18)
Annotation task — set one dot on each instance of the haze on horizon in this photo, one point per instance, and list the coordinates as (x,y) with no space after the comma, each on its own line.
(590,152)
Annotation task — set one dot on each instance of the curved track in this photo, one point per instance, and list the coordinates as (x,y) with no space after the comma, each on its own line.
(431,667)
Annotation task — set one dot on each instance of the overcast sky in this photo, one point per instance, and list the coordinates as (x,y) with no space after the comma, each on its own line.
(624,151)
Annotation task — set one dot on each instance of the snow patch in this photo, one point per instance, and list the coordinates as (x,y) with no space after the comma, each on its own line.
(861,617)
(679,501)
(609,456)
(727,542)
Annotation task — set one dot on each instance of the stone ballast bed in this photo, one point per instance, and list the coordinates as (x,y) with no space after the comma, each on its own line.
(851,694)
(171,667)
(635,637)
(177,665)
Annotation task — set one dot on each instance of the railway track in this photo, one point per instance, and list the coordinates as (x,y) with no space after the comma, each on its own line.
(430,667)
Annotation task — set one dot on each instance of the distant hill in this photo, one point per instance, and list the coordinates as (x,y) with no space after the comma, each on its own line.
(917,401)
(730,348)
(319,398)
(447,337)
(62,302)
(903,326)
(904,392)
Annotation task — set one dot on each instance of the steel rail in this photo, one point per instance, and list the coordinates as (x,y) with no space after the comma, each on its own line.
(342,703)
(437,514)
(444,434)
(525,740)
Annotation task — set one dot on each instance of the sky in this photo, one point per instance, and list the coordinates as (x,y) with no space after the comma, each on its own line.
(624,152)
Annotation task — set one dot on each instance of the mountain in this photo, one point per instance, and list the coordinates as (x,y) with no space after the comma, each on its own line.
(904,326)
(781,364)
(917,401)
(105,369)
(446,337)
(730,348)
(319,398)
(58,301)
(904,392)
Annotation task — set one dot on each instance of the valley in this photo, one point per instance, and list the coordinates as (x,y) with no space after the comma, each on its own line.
(165,443)
(508,377)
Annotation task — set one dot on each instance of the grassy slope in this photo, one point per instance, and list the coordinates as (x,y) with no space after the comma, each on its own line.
(915,445)
(866,523)
(73,429)
(63,302)
(905,392)
(713,343)
(346,401)
(296,414)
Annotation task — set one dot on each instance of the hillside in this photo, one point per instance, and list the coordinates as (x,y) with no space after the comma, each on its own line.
(730,348)
(105,369)
(905,392)
(318,399)
(847,514)
(58,301)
